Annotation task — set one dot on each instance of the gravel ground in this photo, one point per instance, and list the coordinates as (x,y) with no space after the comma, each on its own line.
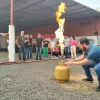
(35,81)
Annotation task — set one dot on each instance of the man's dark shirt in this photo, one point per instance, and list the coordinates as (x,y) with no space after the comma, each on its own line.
(93,53)
(26,43)
(21,40)
(30,42)
(46,43)
(39,42)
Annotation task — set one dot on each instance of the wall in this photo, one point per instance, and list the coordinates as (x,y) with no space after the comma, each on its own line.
(84,27)
(74,28)
(3,42)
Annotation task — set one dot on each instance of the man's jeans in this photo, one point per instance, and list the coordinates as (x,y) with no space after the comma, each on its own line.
(21,53)
(67,51)
(52,51)
(96,67)
(26,52)
(38,52)
(30,52)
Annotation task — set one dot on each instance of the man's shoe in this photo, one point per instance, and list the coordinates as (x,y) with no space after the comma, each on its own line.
(40,58)
(97,89)
(19,58)
(87,80)
(36,59)
(24,59)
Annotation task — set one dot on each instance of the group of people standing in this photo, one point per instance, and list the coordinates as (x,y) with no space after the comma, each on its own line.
(25,45)
(44,45)
(89,59)
(70,46)
(69,43)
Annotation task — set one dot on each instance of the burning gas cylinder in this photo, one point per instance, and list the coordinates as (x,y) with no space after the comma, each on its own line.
(62,72)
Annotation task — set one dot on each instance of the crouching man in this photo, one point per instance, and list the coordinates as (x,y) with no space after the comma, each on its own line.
(89,59)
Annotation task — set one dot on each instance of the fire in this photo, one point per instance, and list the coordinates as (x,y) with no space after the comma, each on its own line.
(61,20)
(61,9)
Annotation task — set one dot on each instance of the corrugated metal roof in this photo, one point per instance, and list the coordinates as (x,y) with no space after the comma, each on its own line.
(36,13)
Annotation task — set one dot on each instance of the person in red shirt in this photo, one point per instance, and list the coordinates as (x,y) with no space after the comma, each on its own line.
(56,52)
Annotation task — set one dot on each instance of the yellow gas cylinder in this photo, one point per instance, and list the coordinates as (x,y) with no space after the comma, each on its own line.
(62,72)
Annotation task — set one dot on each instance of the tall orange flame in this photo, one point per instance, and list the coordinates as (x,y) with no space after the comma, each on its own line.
(60,11)
(61,20)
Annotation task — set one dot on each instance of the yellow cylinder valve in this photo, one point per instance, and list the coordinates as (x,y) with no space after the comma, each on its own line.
(62,72)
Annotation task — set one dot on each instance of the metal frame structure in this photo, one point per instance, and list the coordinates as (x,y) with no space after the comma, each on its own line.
(37,13)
